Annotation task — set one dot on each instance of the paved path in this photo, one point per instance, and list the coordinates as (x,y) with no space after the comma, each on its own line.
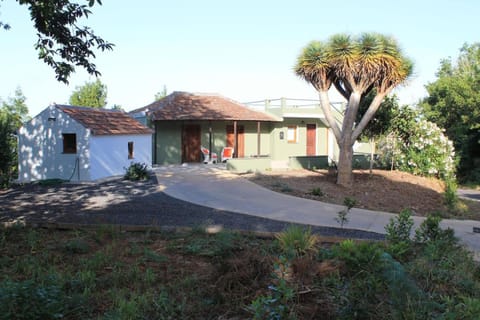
(213,186)
(469,194)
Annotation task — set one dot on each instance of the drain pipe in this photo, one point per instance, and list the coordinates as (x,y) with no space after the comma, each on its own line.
(76,167)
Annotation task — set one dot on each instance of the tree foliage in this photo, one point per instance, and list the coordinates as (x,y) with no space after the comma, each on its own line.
(13,112)
(355,66)
(453,102)
(91,94)
(418,146)
(382,121)
(161,94)
(62,43)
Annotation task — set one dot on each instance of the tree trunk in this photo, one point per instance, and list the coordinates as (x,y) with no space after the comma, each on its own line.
(344,176)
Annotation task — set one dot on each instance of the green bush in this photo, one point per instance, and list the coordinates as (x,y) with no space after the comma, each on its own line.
(424,151)
(137,171)
(399,229)
(296,241)
(430,230)
(317,192)
(30,300)
(450,196)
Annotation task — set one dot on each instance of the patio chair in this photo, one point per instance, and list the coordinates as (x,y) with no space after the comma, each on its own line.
(206,156)
(227,153)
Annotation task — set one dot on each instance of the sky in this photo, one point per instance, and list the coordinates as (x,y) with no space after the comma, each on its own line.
(244,50)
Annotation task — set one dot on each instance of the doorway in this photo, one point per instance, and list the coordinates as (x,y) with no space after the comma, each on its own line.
(191,143)
(311,139)
(240,152)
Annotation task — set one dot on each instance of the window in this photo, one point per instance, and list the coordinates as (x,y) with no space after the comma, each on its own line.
(292,134)
(69,142)
(130,150)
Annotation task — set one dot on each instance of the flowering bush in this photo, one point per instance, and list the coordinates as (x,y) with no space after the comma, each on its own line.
(425,151)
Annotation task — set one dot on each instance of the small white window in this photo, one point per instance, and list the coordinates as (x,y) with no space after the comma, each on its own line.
(292,134)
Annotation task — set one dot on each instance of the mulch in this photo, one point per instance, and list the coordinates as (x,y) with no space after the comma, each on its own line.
(122,202)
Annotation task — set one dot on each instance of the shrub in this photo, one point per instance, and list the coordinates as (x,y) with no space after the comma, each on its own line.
(137,171)
(399,229)
(430,231)
(30,300)
(342,215)
(450,195)
(317,192)
(425,151)
(295,241)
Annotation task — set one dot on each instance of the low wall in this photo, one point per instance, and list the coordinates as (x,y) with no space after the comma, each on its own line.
(308,162)
(249,164)
(360,161)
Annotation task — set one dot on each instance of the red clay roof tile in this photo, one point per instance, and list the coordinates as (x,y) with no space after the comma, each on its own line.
(192,106)
(105,122)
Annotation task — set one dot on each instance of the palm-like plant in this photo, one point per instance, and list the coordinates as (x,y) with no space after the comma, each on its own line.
(355,66)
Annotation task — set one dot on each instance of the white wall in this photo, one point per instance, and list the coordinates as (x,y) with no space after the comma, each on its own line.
(40,150)
(109,154)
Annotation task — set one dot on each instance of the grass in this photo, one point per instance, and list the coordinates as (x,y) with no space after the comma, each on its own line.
(108,274)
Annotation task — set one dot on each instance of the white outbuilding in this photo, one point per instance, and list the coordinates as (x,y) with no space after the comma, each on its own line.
(81,144)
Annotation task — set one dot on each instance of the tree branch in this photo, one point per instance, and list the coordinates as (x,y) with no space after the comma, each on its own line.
(327,111)
(372,109)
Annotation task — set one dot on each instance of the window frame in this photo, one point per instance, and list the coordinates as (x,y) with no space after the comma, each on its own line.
(69,143)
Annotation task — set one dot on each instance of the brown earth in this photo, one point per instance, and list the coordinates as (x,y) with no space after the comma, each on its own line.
(390,191)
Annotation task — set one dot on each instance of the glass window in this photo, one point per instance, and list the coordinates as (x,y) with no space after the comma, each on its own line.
(292,134)
(130,150)
(69,142)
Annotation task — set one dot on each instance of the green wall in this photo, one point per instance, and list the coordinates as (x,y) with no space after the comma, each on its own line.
(282,149)
(168,142)
(168,138)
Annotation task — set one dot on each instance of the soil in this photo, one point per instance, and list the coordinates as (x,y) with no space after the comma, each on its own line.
(389,191)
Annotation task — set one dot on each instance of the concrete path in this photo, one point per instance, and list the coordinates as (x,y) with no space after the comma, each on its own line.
(213,186)
(469,194)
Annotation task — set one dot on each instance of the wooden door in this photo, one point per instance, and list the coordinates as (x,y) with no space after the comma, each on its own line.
(311,139)
(191,143)
(240,152)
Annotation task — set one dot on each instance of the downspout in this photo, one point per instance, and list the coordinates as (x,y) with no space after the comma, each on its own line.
(258,139)
(154,160)
(235,146)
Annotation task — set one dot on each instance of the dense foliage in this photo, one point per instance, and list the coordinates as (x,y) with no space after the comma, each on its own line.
(418,146)
(12,113)
(453,103)
(91,94)
(62,43)
(137,171)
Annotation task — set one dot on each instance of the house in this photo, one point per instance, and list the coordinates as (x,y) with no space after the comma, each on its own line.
(80,144)
(270,131)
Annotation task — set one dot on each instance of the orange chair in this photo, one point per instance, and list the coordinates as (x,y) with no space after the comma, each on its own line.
(227,153)
(206,156)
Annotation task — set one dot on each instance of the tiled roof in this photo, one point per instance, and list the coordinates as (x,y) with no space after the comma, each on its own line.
(196,106)
(105,122)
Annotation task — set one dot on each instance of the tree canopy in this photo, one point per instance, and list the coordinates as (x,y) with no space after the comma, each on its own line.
(354,66)
(13,112)
(453,102)
(161,94)
(91,94)
(62,43)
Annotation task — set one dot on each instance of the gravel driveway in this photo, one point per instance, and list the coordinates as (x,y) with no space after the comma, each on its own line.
(131,203)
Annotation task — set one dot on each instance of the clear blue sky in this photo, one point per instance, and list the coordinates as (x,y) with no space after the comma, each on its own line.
(244,50)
